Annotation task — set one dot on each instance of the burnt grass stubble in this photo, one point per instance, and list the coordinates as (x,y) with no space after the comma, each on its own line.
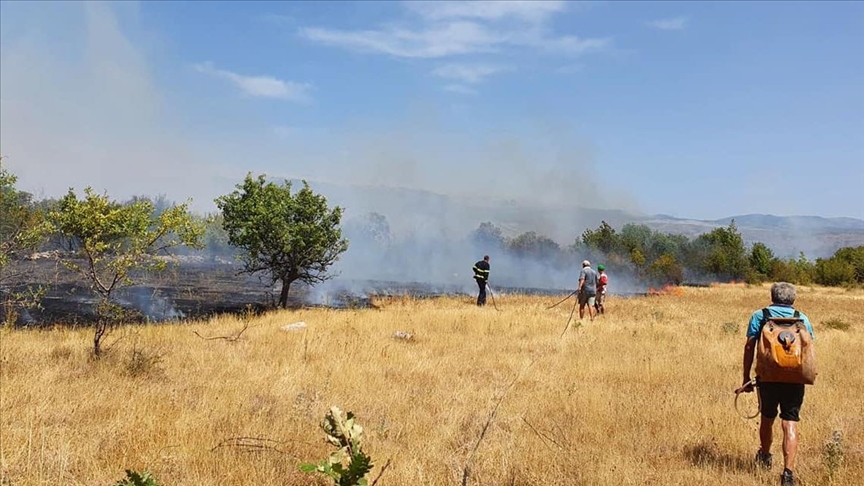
(199,288)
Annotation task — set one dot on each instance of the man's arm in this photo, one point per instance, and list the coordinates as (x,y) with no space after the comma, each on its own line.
(749,351)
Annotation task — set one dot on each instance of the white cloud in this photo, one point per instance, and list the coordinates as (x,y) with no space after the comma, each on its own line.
(261,86)
(458,28)
(439,40)
(529,11)
(468,73)
(459,89)
(676,23)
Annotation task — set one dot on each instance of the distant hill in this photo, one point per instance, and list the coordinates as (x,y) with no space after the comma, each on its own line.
(424,213)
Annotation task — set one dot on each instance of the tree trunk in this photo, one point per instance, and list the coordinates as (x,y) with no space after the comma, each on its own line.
(101,327)
(283,297)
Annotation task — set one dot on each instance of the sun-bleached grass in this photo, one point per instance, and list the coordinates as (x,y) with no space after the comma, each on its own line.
(640,396)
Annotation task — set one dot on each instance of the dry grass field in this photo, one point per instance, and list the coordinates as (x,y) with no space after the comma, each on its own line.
(641,396)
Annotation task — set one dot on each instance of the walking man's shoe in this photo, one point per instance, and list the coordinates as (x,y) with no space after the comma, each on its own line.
(787,478)
(763,460)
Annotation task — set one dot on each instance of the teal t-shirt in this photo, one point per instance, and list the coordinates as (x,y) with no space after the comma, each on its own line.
(776,310)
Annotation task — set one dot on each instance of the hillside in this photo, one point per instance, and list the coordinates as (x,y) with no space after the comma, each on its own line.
(423,213)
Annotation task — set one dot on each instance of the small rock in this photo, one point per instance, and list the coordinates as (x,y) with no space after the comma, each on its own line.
(297,326)
(403,335)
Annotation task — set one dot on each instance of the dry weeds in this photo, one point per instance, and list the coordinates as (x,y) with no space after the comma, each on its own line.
(640,396)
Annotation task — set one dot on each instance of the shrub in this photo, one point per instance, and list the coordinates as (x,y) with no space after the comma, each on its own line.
(730,328)
(134,478)
(837,324)
(347,435)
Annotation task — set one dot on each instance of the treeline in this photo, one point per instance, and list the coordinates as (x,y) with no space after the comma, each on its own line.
(652,256)
(718,255)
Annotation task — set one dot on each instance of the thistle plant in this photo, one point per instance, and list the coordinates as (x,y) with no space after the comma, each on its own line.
(348,465)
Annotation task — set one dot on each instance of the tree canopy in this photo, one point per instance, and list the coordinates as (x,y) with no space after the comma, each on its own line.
(113,241)
(290,236)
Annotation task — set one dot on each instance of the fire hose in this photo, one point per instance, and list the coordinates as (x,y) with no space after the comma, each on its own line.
(752,383)
(493,297)
(562,300)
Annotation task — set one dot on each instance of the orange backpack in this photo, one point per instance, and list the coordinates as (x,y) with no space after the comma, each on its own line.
(785,351)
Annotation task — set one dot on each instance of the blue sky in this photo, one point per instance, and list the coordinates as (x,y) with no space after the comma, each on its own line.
(694,109)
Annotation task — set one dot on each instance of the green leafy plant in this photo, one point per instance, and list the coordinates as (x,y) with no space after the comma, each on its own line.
(116,243)
(22,230)
(833,455)
(348,465)
(134,478)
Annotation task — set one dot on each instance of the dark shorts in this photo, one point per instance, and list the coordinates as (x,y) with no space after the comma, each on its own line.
(586,298)
(789,396)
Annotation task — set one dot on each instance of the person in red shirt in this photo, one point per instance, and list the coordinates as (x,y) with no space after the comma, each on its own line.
(602,281)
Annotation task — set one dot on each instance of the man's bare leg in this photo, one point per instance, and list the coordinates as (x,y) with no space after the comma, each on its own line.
(790,443)
(766,435)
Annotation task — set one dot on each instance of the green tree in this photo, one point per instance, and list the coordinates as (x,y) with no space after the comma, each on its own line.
(535,246)
(22,229)
(635,236)
(293,237)
(487,236)
(833,272)
(637,258)
(116,244)
(666,270)
(855,257)
(804,269)
(760,258)
(726,254)
(603,238)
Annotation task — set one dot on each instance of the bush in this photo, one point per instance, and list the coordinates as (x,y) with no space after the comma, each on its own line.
(730,328)
(834,272)
(134,478)
(837,324)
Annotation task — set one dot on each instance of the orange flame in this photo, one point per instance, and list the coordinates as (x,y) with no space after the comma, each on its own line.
(668,289)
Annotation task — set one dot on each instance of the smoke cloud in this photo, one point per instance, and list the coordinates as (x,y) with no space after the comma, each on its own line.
(81,105)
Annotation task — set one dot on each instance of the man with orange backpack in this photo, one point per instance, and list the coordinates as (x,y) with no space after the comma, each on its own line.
(781,338)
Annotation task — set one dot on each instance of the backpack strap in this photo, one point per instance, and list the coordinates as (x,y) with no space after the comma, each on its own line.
(796,315)
(766,315)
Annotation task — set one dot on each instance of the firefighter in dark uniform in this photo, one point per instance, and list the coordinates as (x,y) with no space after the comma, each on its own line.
(481,275)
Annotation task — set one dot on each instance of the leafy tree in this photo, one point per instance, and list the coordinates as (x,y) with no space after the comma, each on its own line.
(293,237)
(116,244)
(666,270)
(488,236)
(726,254)
(637,258)
(215,237)
(635,237)
(22,229)
(603,238)
(532,245)
(855,257)
(833,271)
(804,269)
(760,258)
(370,227)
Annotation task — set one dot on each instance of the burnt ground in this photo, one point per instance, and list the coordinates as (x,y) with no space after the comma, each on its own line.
(196,288)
